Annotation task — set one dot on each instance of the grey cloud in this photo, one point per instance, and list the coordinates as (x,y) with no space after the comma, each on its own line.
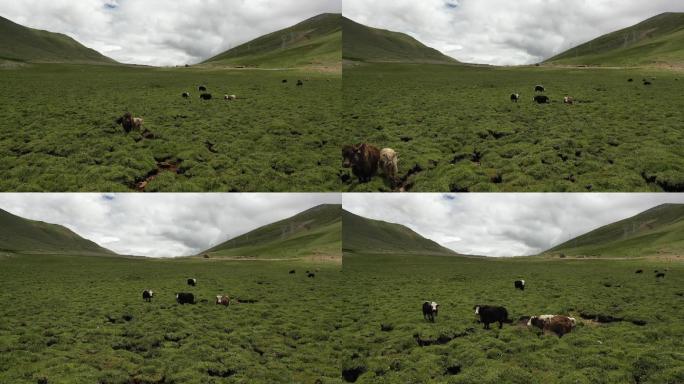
(503,224)
(505,32)
(161,225)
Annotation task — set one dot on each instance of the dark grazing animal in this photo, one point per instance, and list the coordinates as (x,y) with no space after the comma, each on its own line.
(539,88)
(560,325)
(630,80)
(639,271)
(430,309)
(491,314)
(311,274)
(205,96)
(363,159)
(192,282)
(222,300)
(660,274)
(515,97)
(519,284)
(646,82)
(284,81)
(128,122)
(541,99)
(186,94)
(300,83)
(185,298)
(568,100)
(147,295)
(292,271)
(202,88)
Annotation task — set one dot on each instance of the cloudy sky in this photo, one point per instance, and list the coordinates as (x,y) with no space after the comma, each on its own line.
(161,224)
(502,224)
(163,32)
(505,32)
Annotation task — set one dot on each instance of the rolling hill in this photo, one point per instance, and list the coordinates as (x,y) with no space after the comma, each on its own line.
(315,232)
(655,41)
(36,237)
(19,43)
(657,231)
(363,235)
(363,43)
(315,42)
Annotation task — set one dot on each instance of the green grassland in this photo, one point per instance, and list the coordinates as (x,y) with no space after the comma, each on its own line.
(655,41)
(58,131)
(70,319)
(316,232)
(455,128)
(389,291)
(658,231)
(314,42)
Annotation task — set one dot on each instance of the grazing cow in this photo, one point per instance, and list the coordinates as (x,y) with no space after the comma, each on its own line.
(311,274)
(560,325)
(363,160)
(515,97)
(185,298)
(205,96)
(147,295)
(389,163)
(284,81)
(568,100)
(202,88)
(186,95)
(192,282)
(300,83)
(541,99)
(222,300)
(639,271)
(630,80)
(128,122)
(660,274)
(430,310)
(229,97)
(491,314)
(292,271)
(519,284)
(646,82)
(539,88)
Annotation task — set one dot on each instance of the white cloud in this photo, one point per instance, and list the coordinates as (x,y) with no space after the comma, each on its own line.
(161,224)
(163,32)
(505,32)
(503,224)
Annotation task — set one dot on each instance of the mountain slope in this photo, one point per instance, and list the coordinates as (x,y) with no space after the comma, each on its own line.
(314,232)
(28,236)
(659,230)
(658,40)
(363,235)
(314,42)
(363,43)
(19,43)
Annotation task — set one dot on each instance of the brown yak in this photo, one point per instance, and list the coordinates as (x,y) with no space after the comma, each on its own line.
(363,159)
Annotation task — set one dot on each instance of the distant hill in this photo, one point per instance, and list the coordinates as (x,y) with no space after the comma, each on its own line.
(314,232)
(363,235)
(659,230)
(19,43)
(658,40)
(314,42)
(363,43)
(28,236)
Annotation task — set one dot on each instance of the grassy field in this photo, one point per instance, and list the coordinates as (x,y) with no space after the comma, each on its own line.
(58,131)
(82,320)
(389,291)
(455,128)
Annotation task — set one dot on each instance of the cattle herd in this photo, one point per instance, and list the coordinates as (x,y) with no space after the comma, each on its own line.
(490,314)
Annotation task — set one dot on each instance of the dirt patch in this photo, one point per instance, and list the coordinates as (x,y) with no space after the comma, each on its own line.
(166,165)
(404,185)
(350,375)
(442,339)
(210,146)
